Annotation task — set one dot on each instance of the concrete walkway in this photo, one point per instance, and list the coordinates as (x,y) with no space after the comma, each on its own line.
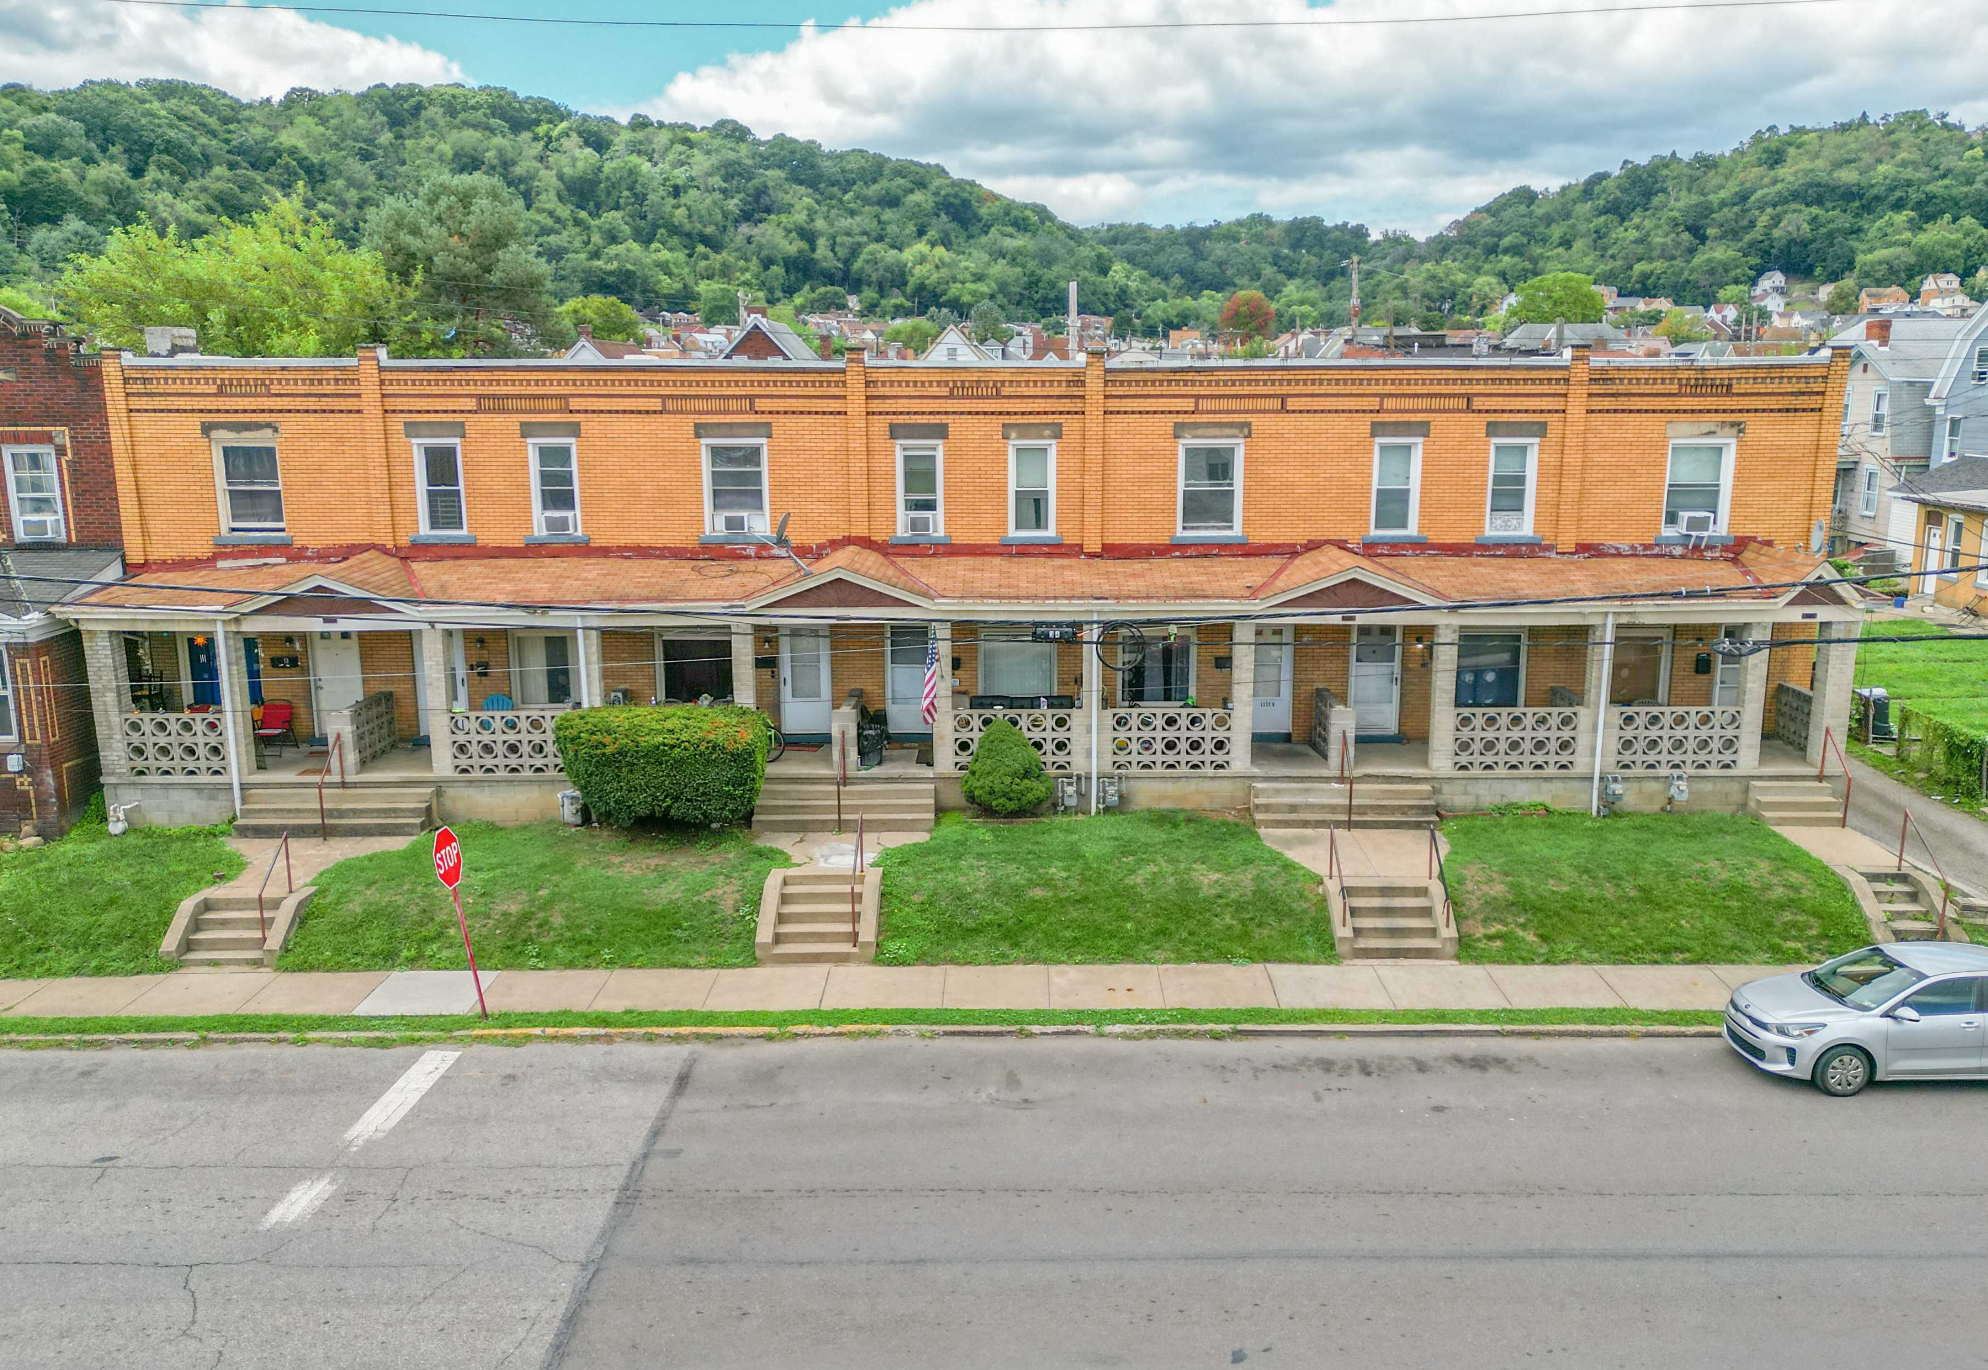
(1958,837)
(1431,985)
(309,858)
(1362,851)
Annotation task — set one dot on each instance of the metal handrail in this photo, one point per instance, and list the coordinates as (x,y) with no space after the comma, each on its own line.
(1946,889)
(1829,744)
(1334,870)
(337,749)
(855,883)
(289,881)
(841,779)
(1346,779)
(1437,870)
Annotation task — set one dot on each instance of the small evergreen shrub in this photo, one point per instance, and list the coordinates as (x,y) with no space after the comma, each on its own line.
(680,762)
(1005,776)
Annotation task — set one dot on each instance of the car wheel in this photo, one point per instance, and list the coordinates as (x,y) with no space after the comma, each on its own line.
(1842,1071)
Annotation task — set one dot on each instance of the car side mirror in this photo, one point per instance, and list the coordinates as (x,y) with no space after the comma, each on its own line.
(1904,1013)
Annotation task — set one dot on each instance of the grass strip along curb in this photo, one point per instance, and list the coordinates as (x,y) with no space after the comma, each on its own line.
(40,1031)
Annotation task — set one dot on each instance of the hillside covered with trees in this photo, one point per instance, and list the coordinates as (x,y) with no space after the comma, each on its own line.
(446,218)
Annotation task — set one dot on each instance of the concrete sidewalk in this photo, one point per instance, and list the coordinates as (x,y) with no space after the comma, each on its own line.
(1432,985)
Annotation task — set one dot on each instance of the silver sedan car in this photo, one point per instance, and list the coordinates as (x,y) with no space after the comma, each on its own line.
(1903,1011)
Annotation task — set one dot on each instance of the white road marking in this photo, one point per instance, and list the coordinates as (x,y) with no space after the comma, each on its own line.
(373,1124)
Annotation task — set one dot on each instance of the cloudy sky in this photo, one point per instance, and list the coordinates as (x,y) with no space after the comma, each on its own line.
(1302,109)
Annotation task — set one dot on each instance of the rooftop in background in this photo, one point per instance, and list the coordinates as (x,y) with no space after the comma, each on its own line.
(1960,483)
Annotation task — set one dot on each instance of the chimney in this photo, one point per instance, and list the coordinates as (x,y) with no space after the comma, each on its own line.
(823,346)
(587,331)
(1878,332)
(169,340)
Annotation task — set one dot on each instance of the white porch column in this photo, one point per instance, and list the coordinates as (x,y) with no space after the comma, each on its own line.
(942,721)
(110,698)
(1594,696)
(1089,722)
(435,678)
(1442,698)
(1242,693)
(1753,695)
(232,667)
(745,680)
(591,693)
(1835,673)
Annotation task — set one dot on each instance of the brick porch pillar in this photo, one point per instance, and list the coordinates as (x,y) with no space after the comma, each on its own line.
(942,721)
(745,680)
(1753,695)
(1835,673)
(1442,698)
(110,698)
(1242,707)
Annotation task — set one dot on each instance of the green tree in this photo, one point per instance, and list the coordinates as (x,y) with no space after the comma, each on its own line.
(610,319)
(1841,298)
(462,244)
(916,334)
(1557,296)
(1249,313)
(1681,327)
(277,285)
(717,303)
(988,322)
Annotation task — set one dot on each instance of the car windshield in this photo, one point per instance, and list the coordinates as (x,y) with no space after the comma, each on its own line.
(1863,979)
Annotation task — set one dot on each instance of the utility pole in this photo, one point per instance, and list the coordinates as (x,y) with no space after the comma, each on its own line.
(1354,263)
(1071,324)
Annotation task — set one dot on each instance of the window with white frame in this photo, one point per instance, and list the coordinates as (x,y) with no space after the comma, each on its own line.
(1981,366)
(1953,439)
(1489,670)
(1508,508)
(1162,674)
(555,489)
(1031,488)
(34,492)
(1397,476)
(438,471)
(920,489)
(543,666)
(1210,487)
(1981,555)
(1880,409)
(735,487)
(250,481)
(1870,502)
(1698,487)
(8,731)
(1012,667)
(1956,530)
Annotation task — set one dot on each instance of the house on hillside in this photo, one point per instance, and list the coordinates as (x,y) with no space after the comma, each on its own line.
(1771,281)
(1875,297)
(1551,337)
(592,349)
(955,345)
(764,339)
(1936,284)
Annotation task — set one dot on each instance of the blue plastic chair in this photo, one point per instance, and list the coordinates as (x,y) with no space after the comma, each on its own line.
(497,703)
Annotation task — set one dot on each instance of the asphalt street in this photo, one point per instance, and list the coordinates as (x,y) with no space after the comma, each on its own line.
(992,1202)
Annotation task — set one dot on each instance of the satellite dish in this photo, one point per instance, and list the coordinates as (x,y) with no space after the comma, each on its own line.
(780,533)
(1818,537)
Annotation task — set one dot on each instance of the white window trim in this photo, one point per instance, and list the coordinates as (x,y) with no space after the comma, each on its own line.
(765,488)
(1525,652)
(462,495)
(1727,448)
(10,730)
(1414,489)
(246,437)
(1981,369)
(1666,638)
(533,445)
(1050,508)
(1867,499)
(1491,471)
(938,451)
(1981,555)
(1000,644)
(1180,488)
(517,669)
(1955,557)
(1188,637)
(14,496)
(1880,408)
(1950,448)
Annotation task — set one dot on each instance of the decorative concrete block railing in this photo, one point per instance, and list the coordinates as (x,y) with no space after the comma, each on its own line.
(1332,725)
(373,734)
(1052,732)
(1560,697)
(1163,738)
(1657,738)
(176,744)
(1792,709)
(1519,739)
(506,742)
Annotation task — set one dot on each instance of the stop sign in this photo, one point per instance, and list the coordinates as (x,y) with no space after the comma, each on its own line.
(448,857)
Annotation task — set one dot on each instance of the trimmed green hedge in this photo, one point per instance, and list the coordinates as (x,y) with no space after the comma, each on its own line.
(680,762)
(1005,775)
(1948,751)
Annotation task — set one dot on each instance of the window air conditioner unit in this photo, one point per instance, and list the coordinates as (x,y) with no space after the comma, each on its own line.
(733,523)
(558,523)
(41,529)
(919,523)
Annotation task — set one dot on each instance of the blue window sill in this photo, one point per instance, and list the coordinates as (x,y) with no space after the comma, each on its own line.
(443,540)
(1218,539)
(732,539)
(1683,540)
(1510,540)
(1390,539)
(919,540)
(557,539)
(253,540)
(1032,540)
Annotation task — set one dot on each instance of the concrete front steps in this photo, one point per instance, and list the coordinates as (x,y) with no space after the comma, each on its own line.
(221,928)
(1314,804)
(1902,902)
(808,804)
(805,917)
(356,811)
(1393,918)
(1794,803)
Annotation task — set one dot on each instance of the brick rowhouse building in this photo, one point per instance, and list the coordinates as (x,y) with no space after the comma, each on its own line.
(1496,578)
(58,520)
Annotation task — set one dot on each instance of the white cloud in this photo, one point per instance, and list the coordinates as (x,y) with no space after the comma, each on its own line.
(51,43)
(1397,126)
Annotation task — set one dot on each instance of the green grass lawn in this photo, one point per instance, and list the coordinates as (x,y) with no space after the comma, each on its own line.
(1158,886)
(1944,680)
(1643,888)
(543,896)
(93,904)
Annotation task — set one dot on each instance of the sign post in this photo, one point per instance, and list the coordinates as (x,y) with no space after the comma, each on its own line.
(448,870)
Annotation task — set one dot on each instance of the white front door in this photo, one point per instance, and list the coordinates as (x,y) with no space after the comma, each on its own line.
(1376,682)
(804,706)
(335,668)
(1728,672)
(905,694)
(1930,582)
(1272,688)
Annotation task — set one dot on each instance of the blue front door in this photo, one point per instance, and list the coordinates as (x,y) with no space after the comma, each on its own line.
(203,679)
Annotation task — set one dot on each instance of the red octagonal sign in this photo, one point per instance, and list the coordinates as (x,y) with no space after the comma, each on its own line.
(448,858)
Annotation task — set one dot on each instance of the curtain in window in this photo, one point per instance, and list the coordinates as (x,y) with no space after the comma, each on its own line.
(1694,481)
(1017,668)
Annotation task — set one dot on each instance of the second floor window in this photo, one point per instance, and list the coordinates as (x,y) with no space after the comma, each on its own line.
(1981,366)
(1880,405)
(919,492)
(1953,439)
(555,490)
(1210,483)
(439,466)
(34,491)
(1698,487)
(251,486)
(735,487)
(1032,484)
(1956,530)
(1870,503)
(1396,468)
(1509,510)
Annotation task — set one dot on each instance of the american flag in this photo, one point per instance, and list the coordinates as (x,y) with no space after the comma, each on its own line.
(930,708)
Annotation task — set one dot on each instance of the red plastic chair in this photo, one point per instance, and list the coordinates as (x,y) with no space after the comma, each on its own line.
(277,722)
